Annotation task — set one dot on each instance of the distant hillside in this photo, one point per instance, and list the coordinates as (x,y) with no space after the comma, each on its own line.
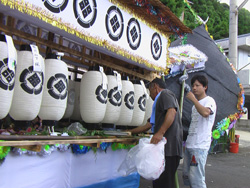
(218,23)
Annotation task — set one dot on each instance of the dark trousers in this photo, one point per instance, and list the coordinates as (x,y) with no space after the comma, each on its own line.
(167,178)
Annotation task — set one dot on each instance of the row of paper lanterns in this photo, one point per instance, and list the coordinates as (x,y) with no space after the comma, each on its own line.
(107,98)
(37,87)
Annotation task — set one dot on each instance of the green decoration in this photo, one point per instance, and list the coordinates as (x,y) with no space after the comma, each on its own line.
(216,134)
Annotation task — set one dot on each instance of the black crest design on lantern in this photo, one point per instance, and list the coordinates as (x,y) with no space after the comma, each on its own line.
(101,94)
(129,100)
(142,102)
(58,86)
(134,34)
(156,46)
(115,96)
(85,12)
(31,82)
(114,23)
(55,6)
(7,76)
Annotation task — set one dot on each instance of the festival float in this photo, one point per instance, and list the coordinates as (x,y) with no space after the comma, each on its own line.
(199,54)
(72,73)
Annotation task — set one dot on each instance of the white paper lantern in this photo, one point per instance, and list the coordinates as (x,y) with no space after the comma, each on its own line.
(149,105)
(127,107)
(140,104)
(55,92)
(71,100)
(76,113)
(113,109)
(93,96)
(7,79)
(29,85)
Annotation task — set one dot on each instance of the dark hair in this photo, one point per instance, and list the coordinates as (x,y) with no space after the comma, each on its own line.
(159,82)
(200,78)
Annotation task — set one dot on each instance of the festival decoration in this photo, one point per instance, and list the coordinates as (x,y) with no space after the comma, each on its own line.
(93,95)
(29,86)
(214,71)
(71,100)
(104,145)
(216,134)
(7,75)
(149,104)
(197,19)
(229,122)
(114,101)
(116,146)
(140,103)
(48,17)
(127,105)
(55,93)
(186,56)
(153,10)
(4,150)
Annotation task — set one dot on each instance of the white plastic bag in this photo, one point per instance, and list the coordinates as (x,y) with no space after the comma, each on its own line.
(145,158)
(150,160)
(128,165)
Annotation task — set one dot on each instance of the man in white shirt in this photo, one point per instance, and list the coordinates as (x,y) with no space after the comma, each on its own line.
(199,133)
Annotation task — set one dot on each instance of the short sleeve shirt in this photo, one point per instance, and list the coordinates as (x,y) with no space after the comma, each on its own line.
(200,129)
(174,134)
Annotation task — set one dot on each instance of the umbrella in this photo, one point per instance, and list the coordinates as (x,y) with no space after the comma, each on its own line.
(223,84)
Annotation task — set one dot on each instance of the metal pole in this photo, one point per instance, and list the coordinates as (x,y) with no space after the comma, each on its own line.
(233,33)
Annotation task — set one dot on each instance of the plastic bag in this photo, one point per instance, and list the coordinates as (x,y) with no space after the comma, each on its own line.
(78,128)
(145,158)
(150,160)
(128,165)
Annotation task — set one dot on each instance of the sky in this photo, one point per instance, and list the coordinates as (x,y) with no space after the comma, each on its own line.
(247,6)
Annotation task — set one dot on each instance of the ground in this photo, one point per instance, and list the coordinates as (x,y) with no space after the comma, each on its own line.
(224,170)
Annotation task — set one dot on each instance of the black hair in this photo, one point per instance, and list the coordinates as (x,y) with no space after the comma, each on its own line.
(159,82)
(200,78)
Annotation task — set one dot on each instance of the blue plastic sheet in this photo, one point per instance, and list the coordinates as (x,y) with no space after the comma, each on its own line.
(132,180)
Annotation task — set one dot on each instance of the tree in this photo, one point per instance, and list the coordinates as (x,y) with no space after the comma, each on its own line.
(218,23)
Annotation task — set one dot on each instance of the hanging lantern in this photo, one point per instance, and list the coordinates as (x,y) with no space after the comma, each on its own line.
(140,103)
(128,98)
(93,95)
(113,109)
(71,100)
(28,91)
(7,75)
(149,105)
(76,113)
(55,92)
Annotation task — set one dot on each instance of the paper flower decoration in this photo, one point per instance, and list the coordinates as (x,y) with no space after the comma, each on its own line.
(80,149)
(225,125)
(4,150)
(105,145)
(216,134)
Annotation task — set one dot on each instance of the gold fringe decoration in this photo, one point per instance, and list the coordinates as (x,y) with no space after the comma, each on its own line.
(49,18)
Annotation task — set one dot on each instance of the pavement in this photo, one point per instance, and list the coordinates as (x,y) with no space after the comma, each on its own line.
(223,170)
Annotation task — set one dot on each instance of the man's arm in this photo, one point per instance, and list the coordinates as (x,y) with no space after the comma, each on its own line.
(169,119)
(141,129)
(203,111)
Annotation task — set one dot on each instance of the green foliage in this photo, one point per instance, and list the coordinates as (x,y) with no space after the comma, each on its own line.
(218,23)
(175,6)
(94,133)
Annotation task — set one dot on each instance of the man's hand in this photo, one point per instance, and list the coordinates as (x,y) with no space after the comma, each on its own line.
(156,138)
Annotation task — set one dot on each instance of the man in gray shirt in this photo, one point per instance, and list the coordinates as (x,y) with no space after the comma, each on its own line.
(165,121)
